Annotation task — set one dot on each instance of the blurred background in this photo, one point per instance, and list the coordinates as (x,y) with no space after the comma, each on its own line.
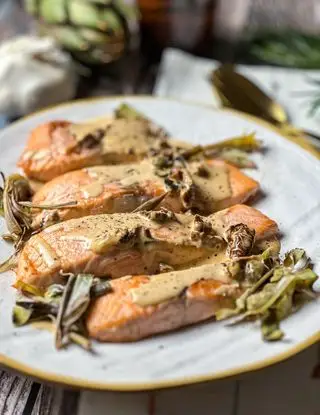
(115,46)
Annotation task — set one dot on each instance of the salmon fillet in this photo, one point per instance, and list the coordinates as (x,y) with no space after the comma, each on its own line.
(115,317)
(57,147)
(122,244)
(122,188)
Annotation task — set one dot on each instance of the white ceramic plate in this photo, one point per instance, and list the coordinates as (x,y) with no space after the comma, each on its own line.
(290,179)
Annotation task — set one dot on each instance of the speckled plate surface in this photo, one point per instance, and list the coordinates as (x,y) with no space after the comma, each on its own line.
(290,179)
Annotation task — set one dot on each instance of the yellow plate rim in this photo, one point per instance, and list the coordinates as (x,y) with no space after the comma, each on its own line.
(70,381)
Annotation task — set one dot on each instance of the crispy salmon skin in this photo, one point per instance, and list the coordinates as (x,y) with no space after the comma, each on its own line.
(121,244)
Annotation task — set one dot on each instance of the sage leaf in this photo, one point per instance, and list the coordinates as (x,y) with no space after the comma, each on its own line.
(270,329)
(21,315)
(296,260)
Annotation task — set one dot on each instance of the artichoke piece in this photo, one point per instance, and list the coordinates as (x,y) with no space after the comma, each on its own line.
(55,12)
(270,329)
(82,13)
(296,259)
(127,112)
(274,296)
(18,218)
(240,240)
(21,315)
(246,142)
(94,37)
(69,37)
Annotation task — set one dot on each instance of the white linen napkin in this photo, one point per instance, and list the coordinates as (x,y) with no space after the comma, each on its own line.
(184,76)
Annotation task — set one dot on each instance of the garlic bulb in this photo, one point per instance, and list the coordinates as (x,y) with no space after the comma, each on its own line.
(34,73)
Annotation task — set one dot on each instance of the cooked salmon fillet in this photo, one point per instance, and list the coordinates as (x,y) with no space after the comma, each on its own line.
(122,244)
(57,147)
(115,317)
(122,188)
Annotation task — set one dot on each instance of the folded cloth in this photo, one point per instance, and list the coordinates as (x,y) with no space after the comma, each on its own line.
(184,76)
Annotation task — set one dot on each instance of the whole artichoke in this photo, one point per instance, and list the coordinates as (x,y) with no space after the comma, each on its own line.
(94,31)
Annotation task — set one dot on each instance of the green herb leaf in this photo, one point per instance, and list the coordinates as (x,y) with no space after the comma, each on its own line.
(9,264)
(18,219)
(21,315)
(128,112)
(276,294)
(289,48)
(270,329)
(65,205)
(64,305)
(236,157)
(296,260)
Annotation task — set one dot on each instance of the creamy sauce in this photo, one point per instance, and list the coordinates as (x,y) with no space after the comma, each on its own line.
(163,287)
(94,189)
(45,251)
(124,175)
(215,257)
(128,137)
(81,130)
(273,243)
(102,231)
(215,187)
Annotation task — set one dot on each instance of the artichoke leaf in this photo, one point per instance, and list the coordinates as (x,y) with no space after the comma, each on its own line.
(126,111)
(236,157)
(242,144)
(225,313)
(55,291)
(9,264)
(296,260)
(100,287)
(65,306)
(240,239)
(79,300)
(253,270)
(74,303)
(65,205)
(18,219)
(27,288)
(21,315)
(270,329)
(246,142)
